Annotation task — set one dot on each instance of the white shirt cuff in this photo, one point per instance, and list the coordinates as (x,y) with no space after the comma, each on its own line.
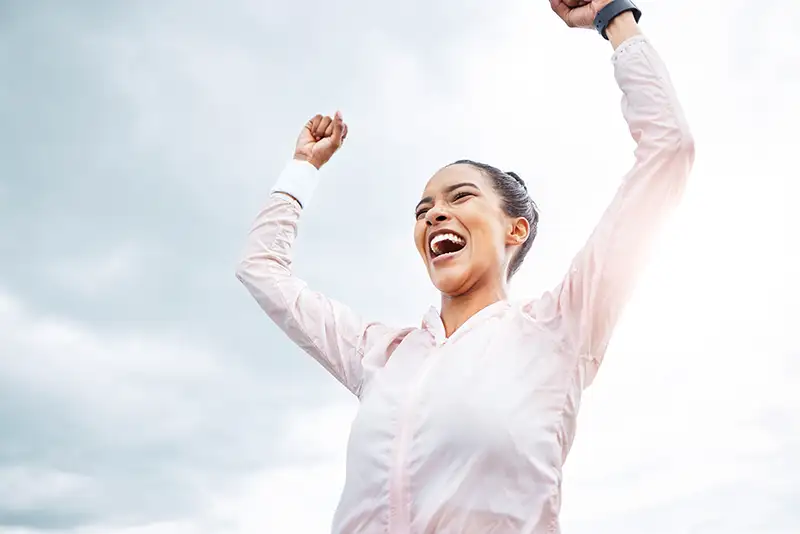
(298,179)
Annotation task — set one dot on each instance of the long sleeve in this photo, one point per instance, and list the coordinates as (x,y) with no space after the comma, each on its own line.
(588,302)
(330,332)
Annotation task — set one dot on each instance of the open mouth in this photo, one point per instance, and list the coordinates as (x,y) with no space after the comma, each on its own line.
(445,243)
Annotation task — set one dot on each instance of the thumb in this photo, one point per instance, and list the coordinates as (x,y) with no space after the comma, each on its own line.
(338,129)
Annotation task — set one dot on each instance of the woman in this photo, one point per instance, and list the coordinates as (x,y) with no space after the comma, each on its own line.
(464,423)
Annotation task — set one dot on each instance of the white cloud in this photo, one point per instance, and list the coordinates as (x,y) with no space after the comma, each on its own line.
(63,356)
(91,275)
(300,499)
(35,488)
(92,420)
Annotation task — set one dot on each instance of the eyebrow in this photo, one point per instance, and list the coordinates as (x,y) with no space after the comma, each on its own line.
(448,189)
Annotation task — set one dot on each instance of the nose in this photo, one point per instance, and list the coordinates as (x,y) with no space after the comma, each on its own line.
(436,215)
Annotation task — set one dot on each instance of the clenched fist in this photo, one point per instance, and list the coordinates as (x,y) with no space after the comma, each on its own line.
(578,13)
(320,138)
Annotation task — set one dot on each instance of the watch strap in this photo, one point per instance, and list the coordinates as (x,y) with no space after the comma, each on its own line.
(612,10)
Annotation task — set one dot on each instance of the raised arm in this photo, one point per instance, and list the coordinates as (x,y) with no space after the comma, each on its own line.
(588,302)
(330,332)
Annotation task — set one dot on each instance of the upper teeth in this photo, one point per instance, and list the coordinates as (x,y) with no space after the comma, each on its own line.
(445,237)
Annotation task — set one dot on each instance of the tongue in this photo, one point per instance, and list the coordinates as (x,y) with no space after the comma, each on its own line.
(447,247)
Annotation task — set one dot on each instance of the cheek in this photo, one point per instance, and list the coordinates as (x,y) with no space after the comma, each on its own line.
(486,235)
(419,237)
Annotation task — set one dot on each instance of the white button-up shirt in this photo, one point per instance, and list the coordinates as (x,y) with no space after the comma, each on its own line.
(468,434)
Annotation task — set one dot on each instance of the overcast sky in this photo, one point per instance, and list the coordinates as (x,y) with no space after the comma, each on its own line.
(142,391)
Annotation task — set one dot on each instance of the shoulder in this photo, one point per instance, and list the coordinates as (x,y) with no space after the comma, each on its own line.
(543,310)
(382,340)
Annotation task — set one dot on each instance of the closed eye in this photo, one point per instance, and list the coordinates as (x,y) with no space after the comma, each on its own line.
(461,195)
(421,212)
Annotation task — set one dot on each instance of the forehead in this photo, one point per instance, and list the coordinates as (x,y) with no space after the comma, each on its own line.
(455,174)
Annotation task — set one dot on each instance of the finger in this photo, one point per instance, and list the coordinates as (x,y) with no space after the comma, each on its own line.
(344,132)
(313,123)
(312,126)
(329,129)
(560,8)
(337,135)
(322,126)
(581,17)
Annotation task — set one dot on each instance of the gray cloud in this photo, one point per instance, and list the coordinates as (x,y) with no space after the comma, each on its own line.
(145,427)
(136,144)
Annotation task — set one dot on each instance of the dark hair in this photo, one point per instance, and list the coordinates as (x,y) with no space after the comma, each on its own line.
(516,203)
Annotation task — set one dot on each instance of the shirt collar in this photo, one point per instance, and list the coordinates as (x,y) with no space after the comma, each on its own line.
(432,320)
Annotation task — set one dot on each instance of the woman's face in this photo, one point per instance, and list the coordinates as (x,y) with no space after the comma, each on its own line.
(462,233)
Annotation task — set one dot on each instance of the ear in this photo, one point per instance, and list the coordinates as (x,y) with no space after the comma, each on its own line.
(518,231)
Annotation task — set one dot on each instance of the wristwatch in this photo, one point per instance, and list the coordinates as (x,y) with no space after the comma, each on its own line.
(615,8)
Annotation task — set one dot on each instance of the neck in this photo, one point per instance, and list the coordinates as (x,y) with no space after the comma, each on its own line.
(457,310)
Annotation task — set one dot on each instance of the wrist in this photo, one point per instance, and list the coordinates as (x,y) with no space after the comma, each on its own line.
(312,161)
(621,28)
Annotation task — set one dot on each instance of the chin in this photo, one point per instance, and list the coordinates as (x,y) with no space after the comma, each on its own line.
(451,282)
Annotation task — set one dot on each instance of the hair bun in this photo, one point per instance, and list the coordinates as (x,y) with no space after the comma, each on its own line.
(519,180)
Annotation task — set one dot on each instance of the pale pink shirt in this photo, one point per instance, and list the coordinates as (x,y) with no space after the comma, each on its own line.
(468,434)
